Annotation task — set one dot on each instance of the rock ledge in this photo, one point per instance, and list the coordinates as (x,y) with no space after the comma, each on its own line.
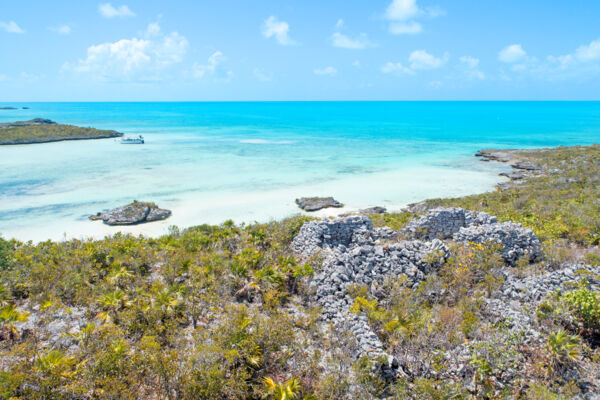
(132,214)
(317,203)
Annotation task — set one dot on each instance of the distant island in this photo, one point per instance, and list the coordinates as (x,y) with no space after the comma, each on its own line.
(41,130)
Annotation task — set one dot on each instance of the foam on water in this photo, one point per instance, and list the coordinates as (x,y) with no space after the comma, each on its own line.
(209,162)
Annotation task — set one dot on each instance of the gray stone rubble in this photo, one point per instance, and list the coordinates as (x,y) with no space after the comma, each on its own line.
(469,226)
(507,303)
(442,223)
(352,253)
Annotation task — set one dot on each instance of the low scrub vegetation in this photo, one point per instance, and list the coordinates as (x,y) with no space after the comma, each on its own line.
(50,133)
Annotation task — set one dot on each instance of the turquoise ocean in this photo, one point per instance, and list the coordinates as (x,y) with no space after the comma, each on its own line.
(248,161)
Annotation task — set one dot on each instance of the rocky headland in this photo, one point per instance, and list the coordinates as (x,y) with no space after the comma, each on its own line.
(41,130)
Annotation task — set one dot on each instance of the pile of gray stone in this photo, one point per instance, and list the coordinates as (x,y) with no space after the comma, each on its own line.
(354,252)
(442,223)
(507,303)
(468,226)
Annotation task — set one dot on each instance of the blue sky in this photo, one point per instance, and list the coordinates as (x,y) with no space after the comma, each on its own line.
(299,50)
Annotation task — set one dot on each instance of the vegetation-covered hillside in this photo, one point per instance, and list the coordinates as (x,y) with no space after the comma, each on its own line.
(42,131)
(225,312)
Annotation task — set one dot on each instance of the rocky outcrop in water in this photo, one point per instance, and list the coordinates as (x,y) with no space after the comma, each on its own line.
(131,214)
(317,203)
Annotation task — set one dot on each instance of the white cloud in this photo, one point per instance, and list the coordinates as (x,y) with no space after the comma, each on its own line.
(391,67)
(261,76)
(584,54)
(470,62)
(107,10)
(402,10)
(590,52)
(213,68)
(339,24)
(420,59)
(61,30)
(11,27)
(406,28)
(512,54)
(435,11)
(272,27)
(153,29)
(356,63)
(471,70)
(330,71)
(131,59)
(31,77)
(345,42)
(562,62)
(404,13)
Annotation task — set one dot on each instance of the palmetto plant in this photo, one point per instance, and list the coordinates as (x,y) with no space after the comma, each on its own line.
(4,296)
(166,301)
(115,302)
(282,391)
(120,275)
(83,336)
(55,363)
(563,348)
(9,315)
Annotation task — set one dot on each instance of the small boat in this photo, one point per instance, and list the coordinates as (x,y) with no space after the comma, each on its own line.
(133,140)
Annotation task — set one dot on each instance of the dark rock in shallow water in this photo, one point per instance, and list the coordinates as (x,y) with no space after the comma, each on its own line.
(131,214)
(373,210)
(317,203)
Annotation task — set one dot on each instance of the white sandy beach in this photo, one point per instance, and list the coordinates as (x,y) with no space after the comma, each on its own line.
(392,189)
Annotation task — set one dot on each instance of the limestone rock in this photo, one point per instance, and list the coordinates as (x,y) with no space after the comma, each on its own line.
(442,223)
(516,240)
(468,226)
(317,203)
(131,214)
(351,254)
(373,210)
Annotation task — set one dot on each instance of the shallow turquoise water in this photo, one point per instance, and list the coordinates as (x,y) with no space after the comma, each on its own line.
(248,161)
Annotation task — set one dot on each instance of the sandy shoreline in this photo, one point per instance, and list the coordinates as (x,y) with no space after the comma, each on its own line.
(355,192)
